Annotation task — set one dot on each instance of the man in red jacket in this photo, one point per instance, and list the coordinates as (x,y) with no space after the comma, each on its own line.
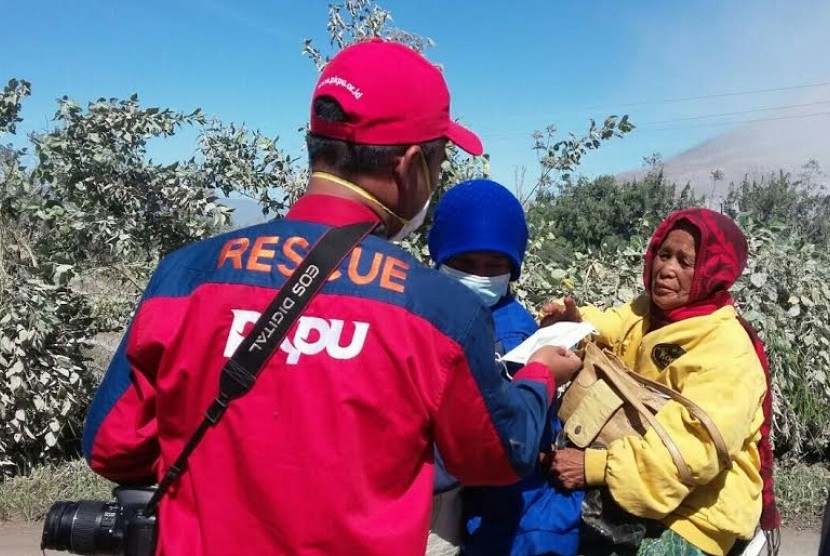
(331,452)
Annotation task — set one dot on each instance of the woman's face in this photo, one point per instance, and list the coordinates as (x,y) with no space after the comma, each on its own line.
(673,271)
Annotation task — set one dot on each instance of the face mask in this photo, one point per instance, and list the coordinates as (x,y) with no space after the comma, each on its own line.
(413,223)
(489,288)
(409,226)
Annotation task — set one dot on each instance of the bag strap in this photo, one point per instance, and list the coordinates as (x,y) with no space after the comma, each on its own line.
(722,451)
(240,371)
(624,389)
(720,445)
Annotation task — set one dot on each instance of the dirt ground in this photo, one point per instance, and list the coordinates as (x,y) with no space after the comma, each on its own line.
(23,539)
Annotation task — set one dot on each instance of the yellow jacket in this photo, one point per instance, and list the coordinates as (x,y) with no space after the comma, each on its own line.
(715,366)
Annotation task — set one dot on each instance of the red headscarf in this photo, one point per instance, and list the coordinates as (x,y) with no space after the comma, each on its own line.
(719,261)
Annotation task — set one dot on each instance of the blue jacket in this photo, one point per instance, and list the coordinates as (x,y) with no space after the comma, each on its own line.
(529,518)
(513,324)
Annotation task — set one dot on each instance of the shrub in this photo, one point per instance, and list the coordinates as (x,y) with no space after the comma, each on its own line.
(81,230)
(44,328)
(30,497)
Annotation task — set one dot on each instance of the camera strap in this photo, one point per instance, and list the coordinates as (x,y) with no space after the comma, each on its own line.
(240,371)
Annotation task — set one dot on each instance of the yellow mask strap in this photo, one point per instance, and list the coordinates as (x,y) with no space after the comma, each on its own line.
(358,190)
(427,174)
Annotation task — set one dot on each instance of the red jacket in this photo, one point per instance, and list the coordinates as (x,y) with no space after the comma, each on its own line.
(332,450)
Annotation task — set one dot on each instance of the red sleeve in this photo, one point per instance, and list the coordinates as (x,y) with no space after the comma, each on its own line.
(487,429)
(120,438)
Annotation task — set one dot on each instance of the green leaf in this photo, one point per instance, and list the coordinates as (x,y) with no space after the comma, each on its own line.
(758,279)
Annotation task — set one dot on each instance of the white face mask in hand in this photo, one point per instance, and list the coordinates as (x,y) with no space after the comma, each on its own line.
(489,288)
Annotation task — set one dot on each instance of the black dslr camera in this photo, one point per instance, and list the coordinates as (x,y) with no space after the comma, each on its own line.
(96,527)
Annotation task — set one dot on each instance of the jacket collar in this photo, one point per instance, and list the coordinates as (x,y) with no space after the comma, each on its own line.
(330,210)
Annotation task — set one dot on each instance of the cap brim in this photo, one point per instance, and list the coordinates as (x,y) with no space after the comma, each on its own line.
(465,139)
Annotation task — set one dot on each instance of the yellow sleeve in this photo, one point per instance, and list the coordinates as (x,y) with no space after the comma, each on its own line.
(612,324)
(640,473)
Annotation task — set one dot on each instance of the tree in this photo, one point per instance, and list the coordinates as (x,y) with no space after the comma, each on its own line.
(559,158)
(592,214)
(44,324)
(799,203)
(81,230)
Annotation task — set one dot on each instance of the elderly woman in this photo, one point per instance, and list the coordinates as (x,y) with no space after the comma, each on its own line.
(685,333)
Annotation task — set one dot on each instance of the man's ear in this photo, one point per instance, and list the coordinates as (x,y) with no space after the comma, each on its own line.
(409,176)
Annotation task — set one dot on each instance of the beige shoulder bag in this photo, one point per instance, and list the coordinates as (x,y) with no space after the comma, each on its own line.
(607,401)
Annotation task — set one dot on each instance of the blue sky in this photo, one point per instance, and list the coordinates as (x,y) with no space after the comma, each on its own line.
(512,67)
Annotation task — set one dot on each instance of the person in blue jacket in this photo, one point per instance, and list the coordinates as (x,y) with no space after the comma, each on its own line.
(479,236)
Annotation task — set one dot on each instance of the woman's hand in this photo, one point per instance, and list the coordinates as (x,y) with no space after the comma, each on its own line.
(565,467)
(557,312)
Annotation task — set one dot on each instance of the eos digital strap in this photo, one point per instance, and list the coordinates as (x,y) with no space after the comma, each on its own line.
(241,370)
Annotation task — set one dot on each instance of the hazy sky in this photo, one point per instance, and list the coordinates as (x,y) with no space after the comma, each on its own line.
(510,70)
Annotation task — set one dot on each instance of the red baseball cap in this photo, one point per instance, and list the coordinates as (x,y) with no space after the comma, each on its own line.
(392,95)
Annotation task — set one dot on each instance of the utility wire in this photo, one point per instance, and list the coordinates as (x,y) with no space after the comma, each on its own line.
(711,124)
(685,99)
(769,108)
(719,95)
(638,125)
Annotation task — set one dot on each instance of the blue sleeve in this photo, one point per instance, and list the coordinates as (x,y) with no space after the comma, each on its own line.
(514,324)
(443,480)
(478,402)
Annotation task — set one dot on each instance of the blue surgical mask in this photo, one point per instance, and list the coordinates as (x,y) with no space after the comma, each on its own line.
(489,288)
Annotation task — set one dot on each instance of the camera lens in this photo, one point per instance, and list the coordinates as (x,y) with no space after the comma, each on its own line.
(57,528)
(83,527)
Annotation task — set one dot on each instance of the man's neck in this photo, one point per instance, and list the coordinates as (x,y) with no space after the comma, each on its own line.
(319,185)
